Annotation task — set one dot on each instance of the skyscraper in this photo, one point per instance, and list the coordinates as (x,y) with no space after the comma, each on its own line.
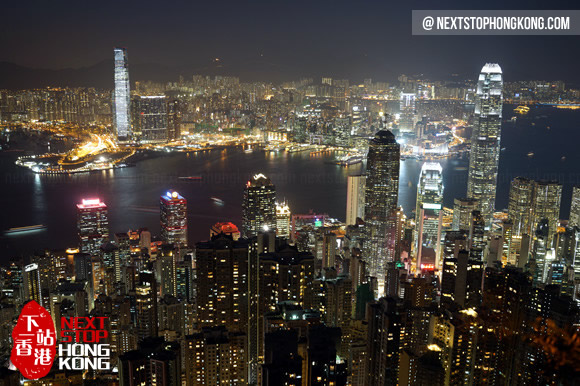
(575,208)
(283,219)
(546,205)
(520,206)
(173,218)
(355,198)
(477,236)
(408,112)
(429,214)
(216,356)
(462,209)
(92,225)
(485,140)
(32,287)
(156,362)
(122,96)
(381,194)
(258,206)
(222,282)
(151,118)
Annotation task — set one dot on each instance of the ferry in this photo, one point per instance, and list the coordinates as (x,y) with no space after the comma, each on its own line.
(29,228)
(522,109)
(196,178)
(349,159)
(218,201)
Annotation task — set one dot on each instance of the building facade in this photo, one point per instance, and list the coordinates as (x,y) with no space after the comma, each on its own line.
(92,225)
(173,218)
(485,140)
(258,206)
(122,96)
(381,195)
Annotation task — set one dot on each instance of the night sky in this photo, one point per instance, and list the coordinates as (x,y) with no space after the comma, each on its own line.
(288,39)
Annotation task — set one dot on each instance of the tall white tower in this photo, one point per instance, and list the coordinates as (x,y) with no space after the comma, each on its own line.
(485,141)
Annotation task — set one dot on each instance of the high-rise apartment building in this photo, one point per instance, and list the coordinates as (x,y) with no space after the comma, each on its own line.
(216,356)
(222,282)
(485,140)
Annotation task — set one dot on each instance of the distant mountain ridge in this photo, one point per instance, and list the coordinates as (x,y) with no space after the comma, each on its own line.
(100,75)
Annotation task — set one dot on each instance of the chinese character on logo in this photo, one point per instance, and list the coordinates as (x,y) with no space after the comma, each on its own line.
(34,341)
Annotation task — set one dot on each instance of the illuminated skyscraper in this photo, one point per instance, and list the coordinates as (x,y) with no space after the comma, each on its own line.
(546,205)
(575,208)
(462,209)
(429,214)
(381,194)
(408,112)
(283,220)
(216,356)
(258,206)
(92,225)
(151,118)
(222,282)
(485,141)
(355,198)
(32,288)
(174,218)
(122,96)
(477,236)
(520,206)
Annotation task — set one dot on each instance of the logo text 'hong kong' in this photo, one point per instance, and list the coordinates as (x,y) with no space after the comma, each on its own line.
(84,344)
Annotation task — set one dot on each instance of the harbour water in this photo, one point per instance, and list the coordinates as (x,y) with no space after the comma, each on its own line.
(305,182)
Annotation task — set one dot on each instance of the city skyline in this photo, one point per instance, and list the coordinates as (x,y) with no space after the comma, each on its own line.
(227,212)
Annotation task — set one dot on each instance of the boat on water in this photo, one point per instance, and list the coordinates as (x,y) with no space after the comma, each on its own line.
(348,159)
(522,109)
(126,165)
(248,150)
(195,178)
(29,228)
(531,154)
(218,201)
